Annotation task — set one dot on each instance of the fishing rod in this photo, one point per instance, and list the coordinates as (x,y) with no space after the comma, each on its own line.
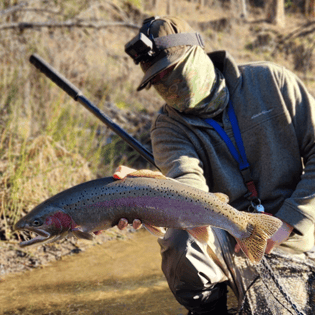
(78,96)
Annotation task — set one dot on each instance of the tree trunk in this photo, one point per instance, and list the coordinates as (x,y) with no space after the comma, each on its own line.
(155,4)
(169,7)
(310,9)
(275,12)
(239,9)
(244,9)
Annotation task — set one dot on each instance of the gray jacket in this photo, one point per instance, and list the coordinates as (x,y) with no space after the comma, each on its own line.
(276,116)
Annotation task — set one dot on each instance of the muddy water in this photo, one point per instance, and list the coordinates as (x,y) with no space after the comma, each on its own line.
(117,277)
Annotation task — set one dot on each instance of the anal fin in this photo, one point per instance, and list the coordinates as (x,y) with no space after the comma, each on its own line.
(200,233)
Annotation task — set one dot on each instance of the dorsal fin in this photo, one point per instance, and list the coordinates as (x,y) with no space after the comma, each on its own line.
(146,173)
(124,171)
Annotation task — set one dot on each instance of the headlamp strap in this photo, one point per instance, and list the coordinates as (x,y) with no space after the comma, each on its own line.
(144,46)
(172,40)
(180,39)
(147,24)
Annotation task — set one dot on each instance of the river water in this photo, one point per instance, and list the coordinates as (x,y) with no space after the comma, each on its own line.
(114,278)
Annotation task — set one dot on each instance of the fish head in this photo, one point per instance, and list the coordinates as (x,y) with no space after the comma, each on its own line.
(49,223)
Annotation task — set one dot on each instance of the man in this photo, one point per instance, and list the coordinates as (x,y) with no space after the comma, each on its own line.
(266,115)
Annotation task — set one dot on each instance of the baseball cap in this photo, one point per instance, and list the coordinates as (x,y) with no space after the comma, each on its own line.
(165,58)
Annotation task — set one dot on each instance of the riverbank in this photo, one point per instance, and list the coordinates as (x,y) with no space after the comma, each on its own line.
(14,259)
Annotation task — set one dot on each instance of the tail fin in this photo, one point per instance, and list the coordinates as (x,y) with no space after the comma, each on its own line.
(261,227)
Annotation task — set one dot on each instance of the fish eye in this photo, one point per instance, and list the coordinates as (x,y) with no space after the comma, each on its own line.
(36,222)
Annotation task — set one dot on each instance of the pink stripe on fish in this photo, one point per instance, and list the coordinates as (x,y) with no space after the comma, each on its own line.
(158,203)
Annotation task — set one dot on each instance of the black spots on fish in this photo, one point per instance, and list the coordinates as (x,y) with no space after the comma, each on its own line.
(105,189)
(72,207)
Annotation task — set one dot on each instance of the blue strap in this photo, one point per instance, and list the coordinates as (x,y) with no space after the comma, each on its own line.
(237,136)
(240,155)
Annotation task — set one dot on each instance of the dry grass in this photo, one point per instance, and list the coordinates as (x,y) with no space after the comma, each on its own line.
(47,141)
(38,169)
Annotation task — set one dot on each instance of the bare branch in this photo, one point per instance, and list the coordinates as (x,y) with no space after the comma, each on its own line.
(303,30)
(39,10)
(82,24)
(118,9)
(14,8)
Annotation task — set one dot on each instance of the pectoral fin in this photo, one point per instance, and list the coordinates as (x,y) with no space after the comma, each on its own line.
(200,233)
(80,234)
(97,232)
(156,231)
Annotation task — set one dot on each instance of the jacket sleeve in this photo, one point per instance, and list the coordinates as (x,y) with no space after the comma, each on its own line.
(299,209)
(175,155)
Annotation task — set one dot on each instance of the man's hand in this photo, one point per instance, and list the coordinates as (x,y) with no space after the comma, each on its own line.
(279,237)
(123,223)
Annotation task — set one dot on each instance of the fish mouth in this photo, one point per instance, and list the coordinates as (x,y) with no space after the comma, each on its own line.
(41,237)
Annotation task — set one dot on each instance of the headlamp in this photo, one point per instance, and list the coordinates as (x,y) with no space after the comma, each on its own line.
(140,48)
(144,46)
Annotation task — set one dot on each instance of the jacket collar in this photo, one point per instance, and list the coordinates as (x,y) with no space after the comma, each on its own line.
(223,61)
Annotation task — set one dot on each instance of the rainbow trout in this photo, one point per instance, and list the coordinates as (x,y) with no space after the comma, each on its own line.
(158,202)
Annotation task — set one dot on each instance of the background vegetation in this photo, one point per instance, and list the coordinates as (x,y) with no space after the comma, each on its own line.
(47,141)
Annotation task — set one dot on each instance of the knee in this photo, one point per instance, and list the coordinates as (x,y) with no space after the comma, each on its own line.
(173,247)
(174,243)
(191,274)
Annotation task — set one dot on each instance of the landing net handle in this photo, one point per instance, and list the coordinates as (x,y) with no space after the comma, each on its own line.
(77,95)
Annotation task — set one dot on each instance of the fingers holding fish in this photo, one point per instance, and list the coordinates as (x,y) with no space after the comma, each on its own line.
(137,224)
(123,223)
(279,237)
